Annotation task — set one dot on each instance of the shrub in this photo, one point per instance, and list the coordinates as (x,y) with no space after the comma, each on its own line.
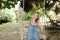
(7,15)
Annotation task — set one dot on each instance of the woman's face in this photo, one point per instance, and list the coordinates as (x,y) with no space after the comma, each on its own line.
(35,16)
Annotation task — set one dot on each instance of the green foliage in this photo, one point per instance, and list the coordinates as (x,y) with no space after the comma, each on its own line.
(7,3)
(50,3)
(7,14)
(26,16)
(28,4)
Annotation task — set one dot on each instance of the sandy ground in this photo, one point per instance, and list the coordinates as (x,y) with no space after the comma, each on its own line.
(12,33)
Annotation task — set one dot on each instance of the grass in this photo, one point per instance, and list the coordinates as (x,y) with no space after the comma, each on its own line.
(7,25)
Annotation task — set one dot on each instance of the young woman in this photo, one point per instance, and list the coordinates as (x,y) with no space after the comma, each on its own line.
(32,29)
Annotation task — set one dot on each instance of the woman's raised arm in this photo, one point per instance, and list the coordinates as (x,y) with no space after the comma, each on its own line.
(24,22)
(20,13)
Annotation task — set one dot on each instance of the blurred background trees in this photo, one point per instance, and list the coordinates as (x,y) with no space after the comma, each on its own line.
(8,10)
(10,3)
(45,7)
(7,3)
(48,9)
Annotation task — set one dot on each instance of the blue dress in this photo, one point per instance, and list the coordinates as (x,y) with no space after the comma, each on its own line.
(32,33)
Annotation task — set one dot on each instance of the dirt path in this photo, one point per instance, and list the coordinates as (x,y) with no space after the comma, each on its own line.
(11,33)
